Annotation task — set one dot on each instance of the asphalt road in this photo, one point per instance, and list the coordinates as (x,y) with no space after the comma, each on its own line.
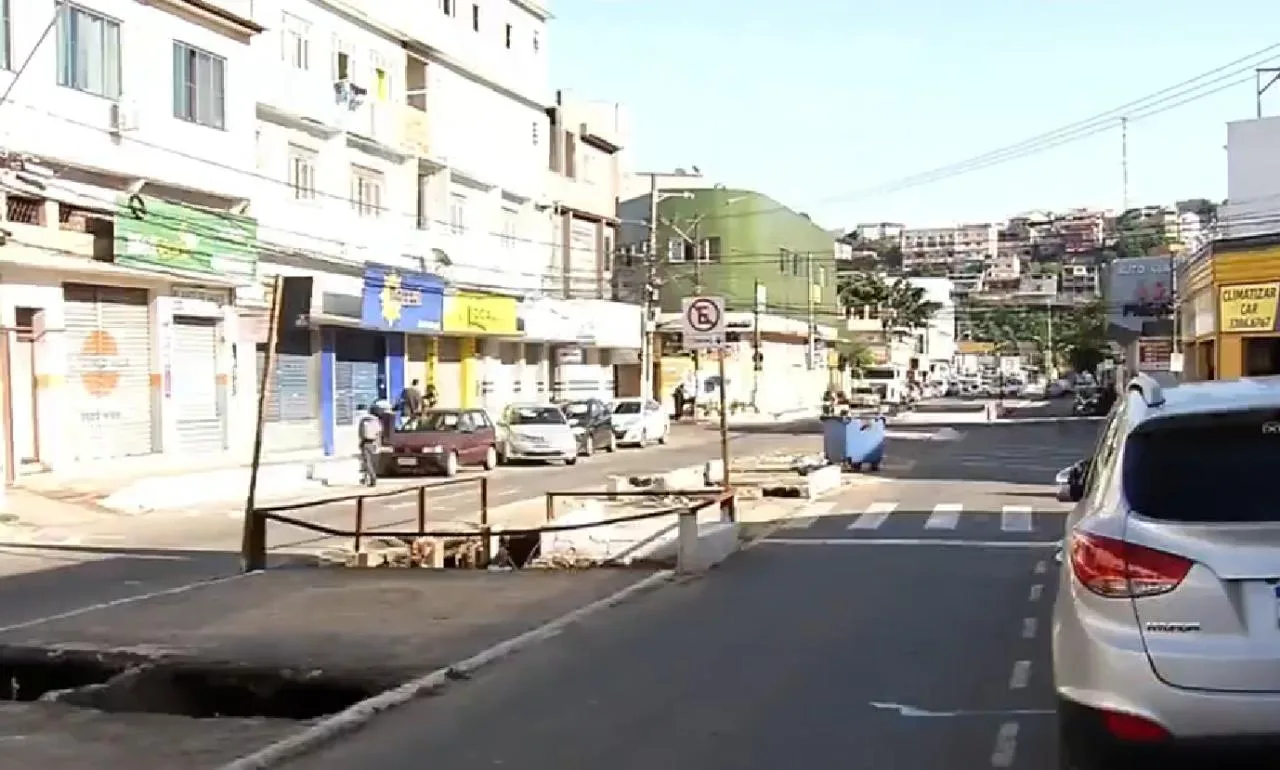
(894,643)
(128,556)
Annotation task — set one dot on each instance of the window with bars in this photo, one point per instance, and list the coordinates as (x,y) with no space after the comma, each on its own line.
(675,250)
(199,83)
(88,51)
(366,192)
(302,173)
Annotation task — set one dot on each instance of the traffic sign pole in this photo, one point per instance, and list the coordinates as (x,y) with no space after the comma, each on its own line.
(704,329)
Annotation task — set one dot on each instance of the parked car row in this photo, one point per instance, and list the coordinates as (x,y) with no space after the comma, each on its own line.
(445,440)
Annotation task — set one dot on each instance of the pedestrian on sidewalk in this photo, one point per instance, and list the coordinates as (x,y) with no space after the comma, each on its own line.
(411,401)
(369,431)
(678,396)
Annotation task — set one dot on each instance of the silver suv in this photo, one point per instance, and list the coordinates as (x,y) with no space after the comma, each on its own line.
(1166,627)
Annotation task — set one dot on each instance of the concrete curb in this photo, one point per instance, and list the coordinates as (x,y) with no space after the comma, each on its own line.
(357,716)
(1045,420)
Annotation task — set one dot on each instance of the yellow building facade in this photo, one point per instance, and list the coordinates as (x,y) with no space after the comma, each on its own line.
(1228,309)
(459,363)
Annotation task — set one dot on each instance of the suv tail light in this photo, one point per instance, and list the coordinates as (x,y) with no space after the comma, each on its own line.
(1119,570)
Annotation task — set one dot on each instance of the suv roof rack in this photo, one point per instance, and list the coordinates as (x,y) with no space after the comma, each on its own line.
(1146,386)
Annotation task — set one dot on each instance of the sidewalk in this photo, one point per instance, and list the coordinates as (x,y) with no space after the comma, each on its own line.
(152,483)
(743,419)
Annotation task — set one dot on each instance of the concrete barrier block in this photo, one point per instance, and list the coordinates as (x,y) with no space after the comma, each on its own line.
(615,484)
(714,542)
(822,481)
(681,478)
(713,473)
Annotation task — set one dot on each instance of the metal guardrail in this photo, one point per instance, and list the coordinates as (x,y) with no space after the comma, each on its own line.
(256,559)
(724,497)
(256,553)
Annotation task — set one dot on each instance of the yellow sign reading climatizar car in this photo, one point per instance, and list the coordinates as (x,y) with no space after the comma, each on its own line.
(1248,307)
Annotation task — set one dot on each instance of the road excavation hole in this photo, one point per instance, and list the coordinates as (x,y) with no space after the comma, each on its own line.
(207,692)
(29,680)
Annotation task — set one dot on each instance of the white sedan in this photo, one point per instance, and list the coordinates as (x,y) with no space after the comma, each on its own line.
(638,421)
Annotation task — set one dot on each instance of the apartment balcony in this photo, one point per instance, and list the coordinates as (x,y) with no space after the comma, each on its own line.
(379,122)
(415,133)
(292,94)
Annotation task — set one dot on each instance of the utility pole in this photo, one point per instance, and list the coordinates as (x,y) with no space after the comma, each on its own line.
(1124,163)
(647,292)
(808,287)
(1272,74)
(757,352)
(1052,368)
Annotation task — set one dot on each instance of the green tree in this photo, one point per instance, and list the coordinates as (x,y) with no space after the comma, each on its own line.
(898,302)
(1082,340)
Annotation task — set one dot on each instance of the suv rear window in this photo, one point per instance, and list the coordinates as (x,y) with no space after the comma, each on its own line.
(1205,468)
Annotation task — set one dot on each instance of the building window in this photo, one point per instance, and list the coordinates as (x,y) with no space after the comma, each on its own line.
(709,249)
(88,51)
(675,250)
(296,42)
(457,214)
(535,133)
(341,60)
(784,260)
(302,173)
(507,37)
(366,192)
(475,17)
(795,263)
(537,42)
(5,36)
(510,220)
(198,86)
(449,7)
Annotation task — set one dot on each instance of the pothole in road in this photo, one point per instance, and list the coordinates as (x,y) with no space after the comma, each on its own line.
(130,684)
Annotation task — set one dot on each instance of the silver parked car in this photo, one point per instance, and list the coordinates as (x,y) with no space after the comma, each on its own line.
(1166,626)
(538,432)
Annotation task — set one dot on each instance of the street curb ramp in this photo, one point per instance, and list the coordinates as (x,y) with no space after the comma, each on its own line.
(356,717)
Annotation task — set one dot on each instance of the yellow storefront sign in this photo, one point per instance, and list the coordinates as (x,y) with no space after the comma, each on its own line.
(481,314)
(1248,307)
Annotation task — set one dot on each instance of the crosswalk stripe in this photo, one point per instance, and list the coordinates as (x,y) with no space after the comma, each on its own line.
(875,515)
(1016,518)
(944,516)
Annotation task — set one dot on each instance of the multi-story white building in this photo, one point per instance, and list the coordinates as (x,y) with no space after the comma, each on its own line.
(127,166)
(593,341)
(949,246)
(938,338)
(338,187)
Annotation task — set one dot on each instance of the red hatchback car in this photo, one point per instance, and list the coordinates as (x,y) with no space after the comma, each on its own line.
(442,441)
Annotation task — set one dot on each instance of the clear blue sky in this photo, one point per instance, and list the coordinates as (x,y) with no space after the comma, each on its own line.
(811,102)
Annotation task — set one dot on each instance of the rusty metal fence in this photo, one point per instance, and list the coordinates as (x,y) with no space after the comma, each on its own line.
(516,547)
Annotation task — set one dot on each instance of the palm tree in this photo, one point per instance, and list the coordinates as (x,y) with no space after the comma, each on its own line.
(898,302)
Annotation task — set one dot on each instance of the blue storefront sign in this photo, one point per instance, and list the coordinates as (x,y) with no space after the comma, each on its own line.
(399,300)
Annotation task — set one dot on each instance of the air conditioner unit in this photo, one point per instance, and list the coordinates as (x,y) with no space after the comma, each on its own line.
(124,116)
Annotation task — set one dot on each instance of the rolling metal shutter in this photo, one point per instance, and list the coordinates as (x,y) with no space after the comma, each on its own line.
(200,419)
(109,356)
(292,406)
(357,374)
(449,372)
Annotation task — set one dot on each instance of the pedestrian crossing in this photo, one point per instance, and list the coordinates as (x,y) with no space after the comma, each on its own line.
(941,519)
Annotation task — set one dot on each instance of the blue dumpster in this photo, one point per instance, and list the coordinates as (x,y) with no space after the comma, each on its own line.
(854,441)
